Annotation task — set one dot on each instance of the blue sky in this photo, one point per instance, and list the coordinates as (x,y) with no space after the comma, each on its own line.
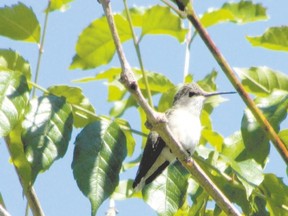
(56,188)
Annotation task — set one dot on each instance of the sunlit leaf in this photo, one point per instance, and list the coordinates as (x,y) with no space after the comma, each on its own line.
(14,94)
(15,62)
(249,173)
(99,151)
(47,129)
(255,138)
(123,190)
(95,46)
(233,145)
(19,22)
(275,38)
(18,157)
(262,81)
(75,97)
(284,136)
(275,192)
(241,12)
(160,20)
(169,189)
(61,5)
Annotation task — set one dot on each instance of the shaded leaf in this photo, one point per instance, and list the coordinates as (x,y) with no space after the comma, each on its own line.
(160,20)
(75,97)
(47,129)
(169,189)
(274,38)
(126,129)
(166,99)
(19,22)
(95,46)
(15,62)
(14,94)
(241,12)
(261,81)
(99,151)
(255,138)
(275,192)
(200,199)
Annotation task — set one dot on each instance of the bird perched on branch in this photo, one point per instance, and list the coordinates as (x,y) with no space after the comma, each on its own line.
(184,123)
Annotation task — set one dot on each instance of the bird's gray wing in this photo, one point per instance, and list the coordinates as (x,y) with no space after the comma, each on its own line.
(153,148)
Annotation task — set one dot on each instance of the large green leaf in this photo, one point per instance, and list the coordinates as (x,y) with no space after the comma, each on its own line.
(19,23)
(75,97)
(275,192)
(275,38)
(262,81)
(14,94)
(255,138)
(200,199)
(99,151)
(95,46)
(160,20)
(167,193)
(233,145)
(241,12)
(46,132)
(15,62)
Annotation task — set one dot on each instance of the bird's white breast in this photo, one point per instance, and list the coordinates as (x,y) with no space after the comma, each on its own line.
(186,127)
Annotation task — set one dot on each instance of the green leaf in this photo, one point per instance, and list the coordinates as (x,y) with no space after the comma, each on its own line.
(15,62)
(160,20)
(95,46)
(214,138)
(46,133)
(167,98)
(208,82)
(284,136)
(61,5)
(123,190)
(200,199)
(274,38)
(79,102)
(241,13)
(19,23)
(275,192)
(167,193)
(130,141)
(18,157)
(233,145)
(255,138)
(14,94)
(249,173)
(99,151)
(261,81)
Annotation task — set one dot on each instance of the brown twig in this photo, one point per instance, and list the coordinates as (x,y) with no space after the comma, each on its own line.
(158,121)
(280,146)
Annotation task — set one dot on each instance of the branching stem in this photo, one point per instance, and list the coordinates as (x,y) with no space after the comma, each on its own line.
(158,122)
(138,52)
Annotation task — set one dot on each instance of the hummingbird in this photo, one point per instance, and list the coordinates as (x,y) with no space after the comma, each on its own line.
(184,123)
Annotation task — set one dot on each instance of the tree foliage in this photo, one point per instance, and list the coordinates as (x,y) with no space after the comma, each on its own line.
(38,129)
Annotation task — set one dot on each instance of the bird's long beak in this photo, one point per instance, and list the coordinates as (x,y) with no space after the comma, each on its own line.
(209,94)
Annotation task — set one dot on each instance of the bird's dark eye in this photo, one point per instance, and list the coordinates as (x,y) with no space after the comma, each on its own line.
(191,94)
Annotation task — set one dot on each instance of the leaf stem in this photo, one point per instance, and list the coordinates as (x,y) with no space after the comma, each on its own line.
(29,192)
(41,47)
(89,112)
(138,52)
(227,69)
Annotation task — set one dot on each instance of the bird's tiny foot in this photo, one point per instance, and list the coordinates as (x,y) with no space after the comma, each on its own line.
(189,161)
